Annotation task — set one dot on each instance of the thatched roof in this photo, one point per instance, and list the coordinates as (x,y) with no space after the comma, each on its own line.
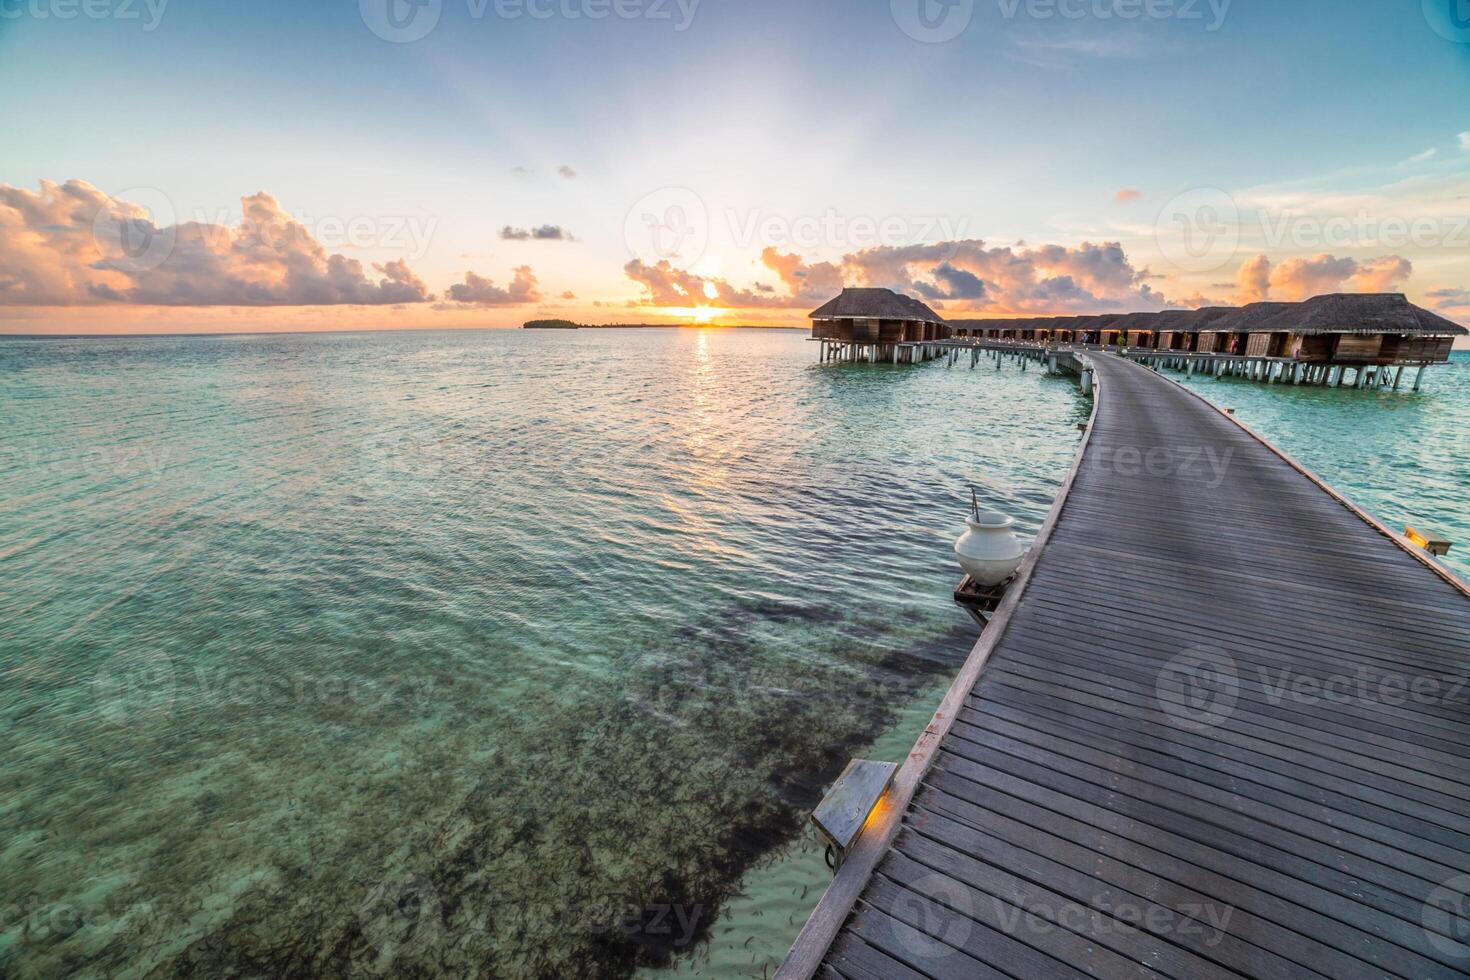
(875,304)
(1341,313)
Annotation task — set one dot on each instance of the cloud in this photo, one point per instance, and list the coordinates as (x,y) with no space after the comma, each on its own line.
(1303,278)
(667,285)
(568,294)
(545,233)
(1128,195)
(479,291)
(1465,141)
(1451,299)
(1042,279)
(522,171)
(1424,157)
(70,244)
(1254,280)
(807,284)
(567,172)
(968,275)
(955,284)
(1381,275)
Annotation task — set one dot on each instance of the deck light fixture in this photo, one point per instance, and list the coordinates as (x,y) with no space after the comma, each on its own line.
(1437,545)
(850,805)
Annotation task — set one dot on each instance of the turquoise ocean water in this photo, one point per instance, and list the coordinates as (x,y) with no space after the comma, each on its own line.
(467,653)
(502,653)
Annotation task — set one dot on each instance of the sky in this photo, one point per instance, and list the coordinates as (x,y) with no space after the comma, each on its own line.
(193,165)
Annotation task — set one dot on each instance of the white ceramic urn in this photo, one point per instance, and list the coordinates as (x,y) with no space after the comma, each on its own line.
(989,550)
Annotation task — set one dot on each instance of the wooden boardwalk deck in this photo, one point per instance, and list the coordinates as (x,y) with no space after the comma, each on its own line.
(1220,730)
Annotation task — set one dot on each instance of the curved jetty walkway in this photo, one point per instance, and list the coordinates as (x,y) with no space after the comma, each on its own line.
(1218,728)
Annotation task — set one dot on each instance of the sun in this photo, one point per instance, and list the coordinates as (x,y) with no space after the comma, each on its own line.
(698,314)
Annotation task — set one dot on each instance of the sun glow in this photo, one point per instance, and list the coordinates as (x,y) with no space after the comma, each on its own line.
(699,314)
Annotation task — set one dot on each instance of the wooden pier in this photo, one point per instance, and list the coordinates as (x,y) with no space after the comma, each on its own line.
(1217,728)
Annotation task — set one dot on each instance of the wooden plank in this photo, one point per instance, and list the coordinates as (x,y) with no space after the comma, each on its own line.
(1440,825)
(925,953)
(851,957)
(1341,829)
(1368,758)
(1183,940)
(1424,734)
(929,907)
(1297,932)
(1279,875)
(1007,907)
(1374,866)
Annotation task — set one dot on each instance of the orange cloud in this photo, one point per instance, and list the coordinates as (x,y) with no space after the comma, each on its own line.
(1254,279)
(1382,275)
(668,285)
(814,284)
(968,275)
(71,245)
(1298,279)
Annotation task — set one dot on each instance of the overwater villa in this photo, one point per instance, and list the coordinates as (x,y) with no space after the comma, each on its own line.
(1319,341)
(878,324)
(1341,329)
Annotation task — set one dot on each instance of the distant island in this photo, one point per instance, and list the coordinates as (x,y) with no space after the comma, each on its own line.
(569,325)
